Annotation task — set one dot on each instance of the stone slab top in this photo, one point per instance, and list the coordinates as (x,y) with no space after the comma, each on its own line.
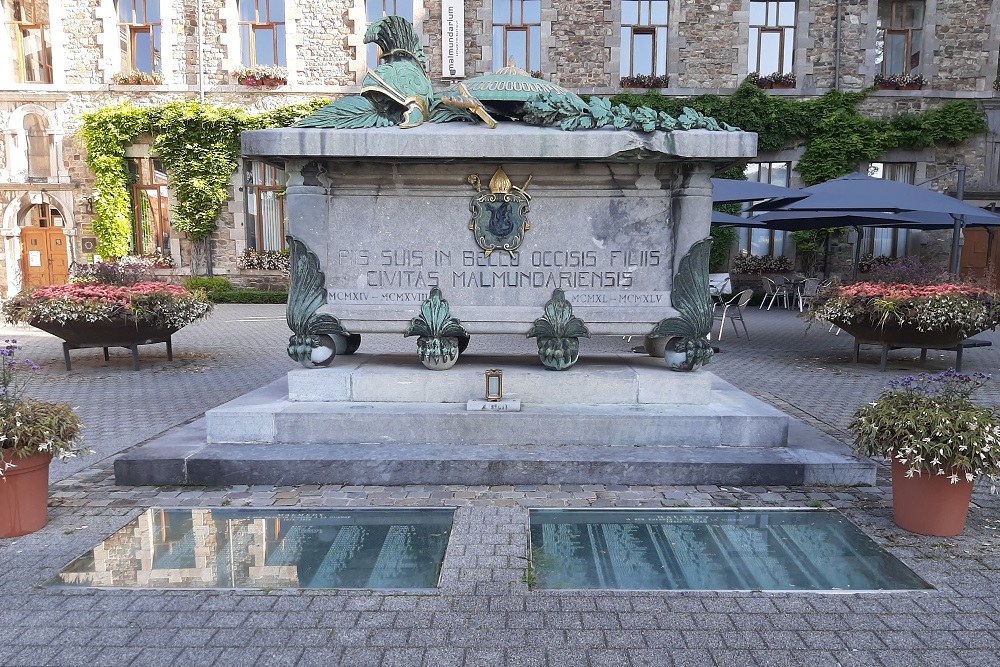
(509,141)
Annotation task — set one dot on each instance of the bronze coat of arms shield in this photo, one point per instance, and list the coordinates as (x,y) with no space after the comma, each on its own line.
(500,217)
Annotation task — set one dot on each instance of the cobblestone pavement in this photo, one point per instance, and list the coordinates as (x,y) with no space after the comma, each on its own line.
(484,612)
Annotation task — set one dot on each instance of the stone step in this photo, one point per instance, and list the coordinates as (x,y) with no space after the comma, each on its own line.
(182,457)
(600,379)
(731,418)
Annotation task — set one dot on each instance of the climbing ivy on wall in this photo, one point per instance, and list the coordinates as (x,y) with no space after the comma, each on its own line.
(837,137)
(199,145)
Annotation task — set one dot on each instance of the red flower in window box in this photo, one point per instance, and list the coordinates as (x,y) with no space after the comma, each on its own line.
(262,76)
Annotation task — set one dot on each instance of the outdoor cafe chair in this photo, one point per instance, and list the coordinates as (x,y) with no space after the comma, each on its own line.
(776,289)
(733,309)
(718,290)
(807,292)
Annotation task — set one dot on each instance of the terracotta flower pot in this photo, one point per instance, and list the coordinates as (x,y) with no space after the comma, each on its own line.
(929,504)
(24,495)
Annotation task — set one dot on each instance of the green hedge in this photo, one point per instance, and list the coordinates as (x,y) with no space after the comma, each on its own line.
(220,290)
(249,296)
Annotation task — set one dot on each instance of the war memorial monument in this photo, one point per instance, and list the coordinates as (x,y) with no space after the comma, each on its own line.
(502,205)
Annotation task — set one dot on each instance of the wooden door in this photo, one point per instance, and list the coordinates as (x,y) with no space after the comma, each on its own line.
(981,257)
(44,260)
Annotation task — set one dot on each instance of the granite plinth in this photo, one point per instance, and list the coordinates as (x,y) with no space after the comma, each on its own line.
(594,380)
(182,456)
(612,400)
(510,141)
(603,215)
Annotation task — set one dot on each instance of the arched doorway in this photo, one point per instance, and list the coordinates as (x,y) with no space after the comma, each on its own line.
(44,254)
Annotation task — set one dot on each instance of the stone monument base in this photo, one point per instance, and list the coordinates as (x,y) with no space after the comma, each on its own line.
(385,420)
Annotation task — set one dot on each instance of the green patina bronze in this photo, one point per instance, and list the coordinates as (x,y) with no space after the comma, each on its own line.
(690,297)
(558,333)
(314,340)
(571,112)
(441,337)
(399,92)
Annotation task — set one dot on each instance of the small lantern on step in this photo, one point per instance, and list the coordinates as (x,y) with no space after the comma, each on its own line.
(494,384)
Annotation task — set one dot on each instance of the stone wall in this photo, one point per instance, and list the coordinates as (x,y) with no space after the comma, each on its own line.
(579,48)
(321,55)
(709,55)
(81,42)
(962,38)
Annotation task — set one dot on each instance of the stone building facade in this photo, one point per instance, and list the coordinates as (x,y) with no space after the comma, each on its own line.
(62,58)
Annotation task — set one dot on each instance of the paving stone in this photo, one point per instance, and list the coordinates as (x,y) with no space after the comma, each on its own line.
(484,614)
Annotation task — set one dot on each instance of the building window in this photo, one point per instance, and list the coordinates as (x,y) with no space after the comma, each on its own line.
(376,9)
(766,241)
(139,32)
(517,34)
(262,32)
(888,241)
(39,143)
(265,207)
(150,207)
(644,37)
(772,36)
(29,20)
(900,23)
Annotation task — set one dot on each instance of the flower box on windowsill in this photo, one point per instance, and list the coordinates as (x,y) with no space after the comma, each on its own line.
(899,81)
(646,81)
(262,83)
(770,81)
(137,79)
(262,76)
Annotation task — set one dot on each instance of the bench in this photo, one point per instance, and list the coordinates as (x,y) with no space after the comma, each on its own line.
(957,349)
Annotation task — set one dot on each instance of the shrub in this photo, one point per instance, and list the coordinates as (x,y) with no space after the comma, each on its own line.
(157,304)
(208,284)
(220,290)
(906,270)
(250,296)
(264,260)
(756,265)
(938,307)
(29,426)
(930,424)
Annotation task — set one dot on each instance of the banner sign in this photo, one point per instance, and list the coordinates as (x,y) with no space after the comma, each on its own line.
(452,38)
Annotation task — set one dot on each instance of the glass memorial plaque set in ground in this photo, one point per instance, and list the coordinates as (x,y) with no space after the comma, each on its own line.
(388,549)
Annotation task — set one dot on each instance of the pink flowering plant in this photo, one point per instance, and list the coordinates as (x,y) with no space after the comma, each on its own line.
(151,303)
(29,426)
(966,309)
(262,76)
(931,425)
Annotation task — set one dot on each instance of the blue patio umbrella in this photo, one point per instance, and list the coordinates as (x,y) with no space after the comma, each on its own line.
(731,191)
(926,220)
(729,220)
(860,192)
